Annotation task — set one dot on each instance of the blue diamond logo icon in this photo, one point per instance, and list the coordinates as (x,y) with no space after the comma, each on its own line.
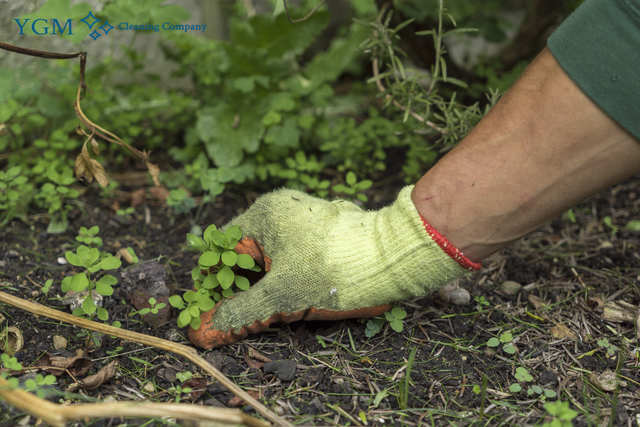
(90,20)
(106,27)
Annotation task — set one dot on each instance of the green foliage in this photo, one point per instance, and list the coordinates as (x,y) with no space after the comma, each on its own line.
(15,191)
(217,274)
(89,236)
(10,362)
(154,308)
(92,262)
(38,384)
(352,188)
(506,339)
(562,415)
(180,201)
(611,349)
(395,317)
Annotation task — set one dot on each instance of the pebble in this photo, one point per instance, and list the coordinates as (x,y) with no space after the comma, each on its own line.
(59,342)
(510,287)
(455,295)
(283,369)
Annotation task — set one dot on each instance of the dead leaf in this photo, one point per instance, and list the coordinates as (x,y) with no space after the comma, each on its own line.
(607,380)
(137,197)
(103,375)
(11,340)
(95,146)
(59,342)
(77,365)
(160,193)
(90,169)
(619,312)
(236,401)
(537,302)
(125,254)
(561,331)
(198,387)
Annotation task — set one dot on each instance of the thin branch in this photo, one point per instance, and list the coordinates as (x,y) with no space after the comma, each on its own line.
(304,18)
(378,79)
(94,128)
(185,351)
(58,415)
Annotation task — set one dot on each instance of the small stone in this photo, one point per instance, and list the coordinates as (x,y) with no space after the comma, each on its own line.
(283,369)
(61,260)
(174,335)
(59,342)
(149,387)
(510,287)
(454,294)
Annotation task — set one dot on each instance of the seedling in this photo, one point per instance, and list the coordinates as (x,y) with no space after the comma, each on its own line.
(180,201)
(395,318)
(610,348)
(610,225)
(154,308)
(179,390)
(216,275)
(89,236)
(93,261)
(47,286)
(505,339)
(481,302)
(10,362)
(561,412)
(38,383)
(125,212)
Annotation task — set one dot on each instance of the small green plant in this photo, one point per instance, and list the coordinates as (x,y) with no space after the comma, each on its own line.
(403,395)
(609,347)
(154,308)
(542,393)
(608,222)
(10,362)
(481,302)
(89,236)
(179,390)
(523,376)
(92,261)
(216,274)
(180,201)
(47,286)
(562,415)
(395,317)
(505,339)
(352,188)
(633,225)
(126,211)
(14,194)
(38,383)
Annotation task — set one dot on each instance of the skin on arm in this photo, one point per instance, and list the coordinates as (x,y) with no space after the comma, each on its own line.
(541,149)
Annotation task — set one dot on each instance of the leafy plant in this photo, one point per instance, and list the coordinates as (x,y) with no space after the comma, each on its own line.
(505,339)
(180,201)
(154,308)
(179,390)
(15,193)
(39,383)
(89,236)
(395,317)
(10,362)
(609,347)
(126,211)
(562,415)
(352,188)
(216,275)
(92,261)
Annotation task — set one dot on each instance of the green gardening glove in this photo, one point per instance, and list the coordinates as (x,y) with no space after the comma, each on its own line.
(331,260)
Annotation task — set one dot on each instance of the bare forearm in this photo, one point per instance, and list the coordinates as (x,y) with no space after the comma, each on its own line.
(544,147)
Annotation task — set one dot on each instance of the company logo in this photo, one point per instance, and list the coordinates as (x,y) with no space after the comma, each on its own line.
(97,28)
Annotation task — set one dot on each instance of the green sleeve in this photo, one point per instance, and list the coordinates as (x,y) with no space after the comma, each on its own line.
(599,48)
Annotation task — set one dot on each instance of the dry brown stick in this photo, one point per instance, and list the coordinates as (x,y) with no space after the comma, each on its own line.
(376,75)
(58,415)
(185,351)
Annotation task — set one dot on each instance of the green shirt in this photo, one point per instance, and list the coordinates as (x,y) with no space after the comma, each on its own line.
(599,48)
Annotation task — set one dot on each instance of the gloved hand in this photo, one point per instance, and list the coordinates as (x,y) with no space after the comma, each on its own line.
(331,260)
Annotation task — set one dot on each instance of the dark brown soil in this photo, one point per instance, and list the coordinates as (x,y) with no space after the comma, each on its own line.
(345,378)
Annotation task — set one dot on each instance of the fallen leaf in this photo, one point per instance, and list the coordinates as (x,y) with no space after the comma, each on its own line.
(11,340)
(77,364)
(537,302)
(237,401)
(561,331)
(90,169)
(607,380)
(619,312)
(198,387)
(103,375)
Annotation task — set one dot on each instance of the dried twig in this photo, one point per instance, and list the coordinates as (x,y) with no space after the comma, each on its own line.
(185,351)
(93,128)
(58,415)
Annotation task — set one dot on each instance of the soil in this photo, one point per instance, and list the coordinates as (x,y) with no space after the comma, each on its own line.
(567,270)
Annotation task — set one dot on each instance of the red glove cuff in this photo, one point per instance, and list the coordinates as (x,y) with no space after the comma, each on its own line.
(449,248)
